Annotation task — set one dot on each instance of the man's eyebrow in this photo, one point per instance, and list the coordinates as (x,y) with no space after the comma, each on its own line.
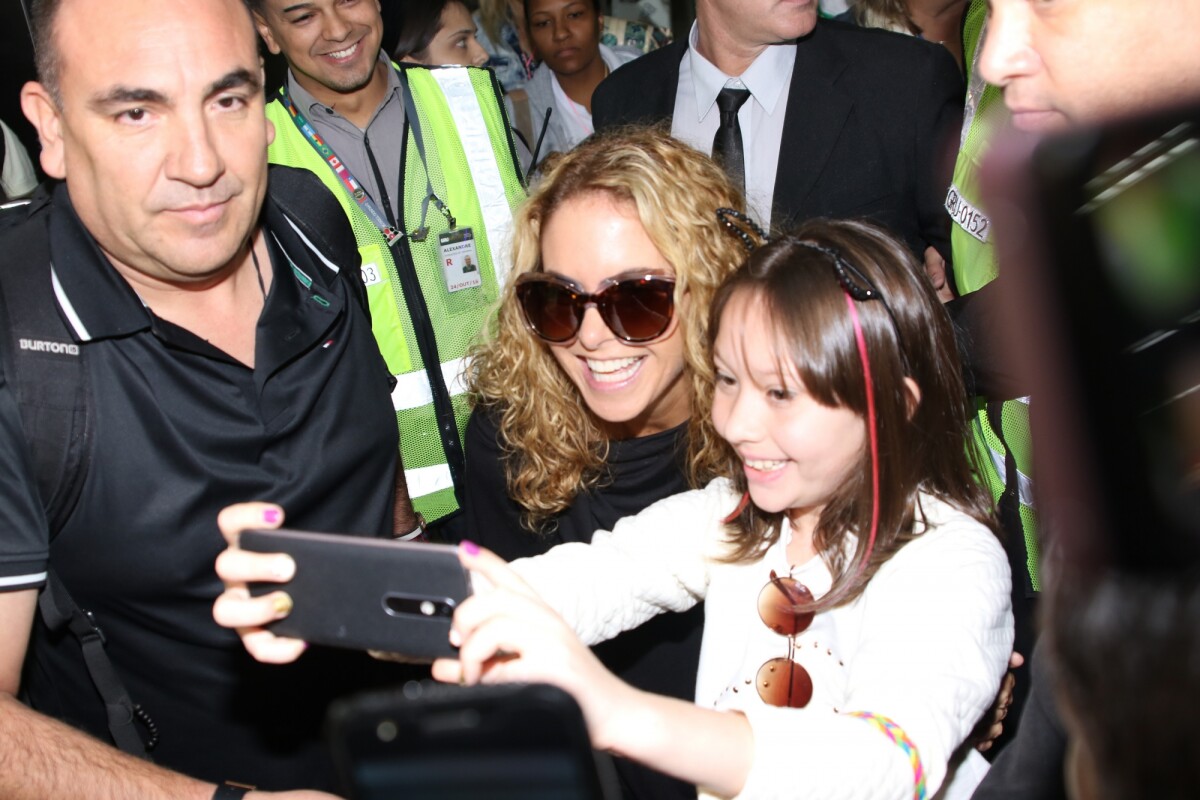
(239,78)
(121,95)
(126,94)
(295,7)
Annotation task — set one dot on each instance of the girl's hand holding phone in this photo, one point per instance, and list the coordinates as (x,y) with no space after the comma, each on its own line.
(235,607)
(507,634)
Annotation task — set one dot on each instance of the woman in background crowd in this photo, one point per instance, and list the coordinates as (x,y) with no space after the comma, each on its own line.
(503,35)
(438,32)
(566,37)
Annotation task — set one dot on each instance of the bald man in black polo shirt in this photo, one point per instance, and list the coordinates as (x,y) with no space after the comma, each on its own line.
(227,360)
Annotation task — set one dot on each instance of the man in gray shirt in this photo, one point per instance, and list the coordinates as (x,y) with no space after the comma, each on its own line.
(423,161)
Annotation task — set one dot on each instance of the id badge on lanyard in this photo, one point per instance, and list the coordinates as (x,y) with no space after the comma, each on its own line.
(460,262)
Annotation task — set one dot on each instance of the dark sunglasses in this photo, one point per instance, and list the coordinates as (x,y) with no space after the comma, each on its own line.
(781,681)
(636,309)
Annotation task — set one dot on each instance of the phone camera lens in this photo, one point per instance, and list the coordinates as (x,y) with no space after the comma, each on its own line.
(387,731)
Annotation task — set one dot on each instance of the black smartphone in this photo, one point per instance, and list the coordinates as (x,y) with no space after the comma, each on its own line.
(503,742)
(367,594)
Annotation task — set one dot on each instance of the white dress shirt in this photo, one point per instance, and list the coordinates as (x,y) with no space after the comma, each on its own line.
(696,117)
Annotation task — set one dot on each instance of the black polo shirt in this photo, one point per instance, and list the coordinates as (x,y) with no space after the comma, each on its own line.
(182,430)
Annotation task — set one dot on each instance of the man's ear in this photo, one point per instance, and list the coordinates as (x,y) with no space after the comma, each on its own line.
(262,81)
(45,115)
(264,30)
(913,394)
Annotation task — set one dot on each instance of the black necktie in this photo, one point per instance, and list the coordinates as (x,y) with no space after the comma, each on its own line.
(727,144)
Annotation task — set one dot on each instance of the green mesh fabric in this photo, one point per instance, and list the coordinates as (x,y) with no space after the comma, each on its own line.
(975,266)
(1014,419)
(456,318)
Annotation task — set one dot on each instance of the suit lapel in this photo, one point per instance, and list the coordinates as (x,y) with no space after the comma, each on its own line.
(816,112)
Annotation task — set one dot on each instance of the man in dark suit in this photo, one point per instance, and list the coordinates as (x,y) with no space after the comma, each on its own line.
(839,122)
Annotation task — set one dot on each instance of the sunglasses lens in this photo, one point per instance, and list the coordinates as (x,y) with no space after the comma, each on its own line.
(781,603)
(550,309)
(784,683)
(639,310)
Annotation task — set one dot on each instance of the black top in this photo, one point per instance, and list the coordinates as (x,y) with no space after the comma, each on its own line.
(662,655)
(182,430)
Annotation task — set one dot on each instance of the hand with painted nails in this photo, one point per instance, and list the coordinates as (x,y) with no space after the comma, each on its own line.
(507,634)
(235,608)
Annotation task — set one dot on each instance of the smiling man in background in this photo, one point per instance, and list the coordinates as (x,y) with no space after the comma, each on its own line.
(424,166)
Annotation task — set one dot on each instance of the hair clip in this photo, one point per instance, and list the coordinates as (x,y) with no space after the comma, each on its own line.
(857,285)
(852,280)
(742,226)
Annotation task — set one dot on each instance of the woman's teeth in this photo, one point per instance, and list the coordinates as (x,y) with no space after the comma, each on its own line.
(613,370)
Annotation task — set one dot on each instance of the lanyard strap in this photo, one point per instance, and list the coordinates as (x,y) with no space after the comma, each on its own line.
(391,231)
(410,113)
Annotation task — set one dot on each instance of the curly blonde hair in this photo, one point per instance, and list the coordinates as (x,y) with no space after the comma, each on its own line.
(554,446)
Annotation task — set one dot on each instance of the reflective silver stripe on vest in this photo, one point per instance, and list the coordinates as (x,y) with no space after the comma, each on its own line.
(427,480)
(413,389)
(1024,482)
(481,160)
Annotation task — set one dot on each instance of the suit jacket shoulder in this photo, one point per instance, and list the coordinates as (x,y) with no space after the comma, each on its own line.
(881,64)
(641,92)
(867,112)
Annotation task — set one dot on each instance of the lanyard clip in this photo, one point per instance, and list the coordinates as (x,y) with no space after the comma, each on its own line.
(450,220)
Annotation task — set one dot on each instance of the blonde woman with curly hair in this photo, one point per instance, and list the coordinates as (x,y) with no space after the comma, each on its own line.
(593,395)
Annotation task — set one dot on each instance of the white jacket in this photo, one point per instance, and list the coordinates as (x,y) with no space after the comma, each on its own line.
(925,645)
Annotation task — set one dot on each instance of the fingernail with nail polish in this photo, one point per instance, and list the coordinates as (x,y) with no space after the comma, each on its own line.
(271,516)
(281,602)
(471,548)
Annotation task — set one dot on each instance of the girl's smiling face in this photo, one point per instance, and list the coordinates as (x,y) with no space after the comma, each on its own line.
(795,451)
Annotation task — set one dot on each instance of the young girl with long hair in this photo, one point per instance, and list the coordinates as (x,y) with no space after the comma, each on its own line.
(857,599)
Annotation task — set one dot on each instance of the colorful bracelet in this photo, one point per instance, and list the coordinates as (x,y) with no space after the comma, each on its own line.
(899,738)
